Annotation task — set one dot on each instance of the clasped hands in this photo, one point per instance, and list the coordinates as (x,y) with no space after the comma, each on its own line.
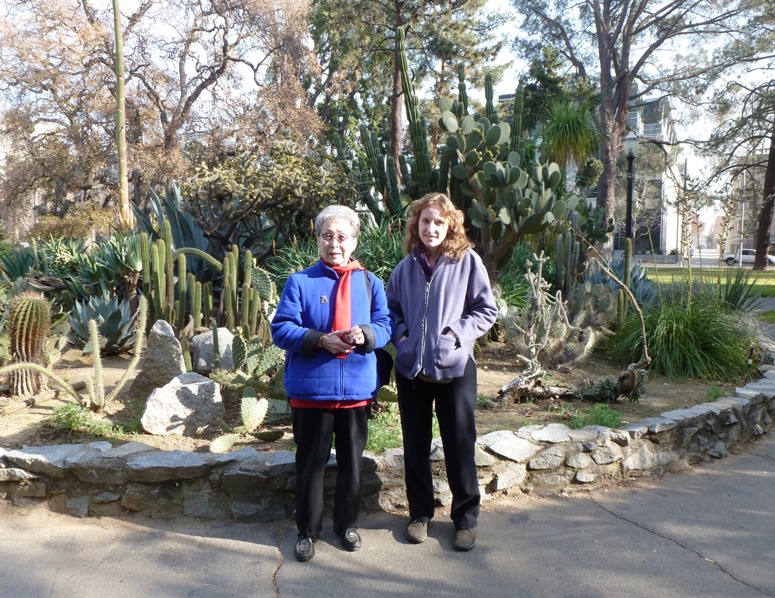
(342,341)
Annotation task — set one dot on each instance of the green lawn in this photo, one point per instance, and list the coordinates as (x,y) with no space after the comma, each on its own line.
(763,280)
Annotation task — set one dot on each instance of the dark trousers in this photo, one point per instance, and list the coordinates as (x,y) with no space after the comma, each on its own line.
(312,431)
(455,410)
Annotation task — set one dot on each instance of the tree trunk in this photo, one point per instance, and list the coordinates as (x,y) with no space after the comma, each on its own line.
(767,211)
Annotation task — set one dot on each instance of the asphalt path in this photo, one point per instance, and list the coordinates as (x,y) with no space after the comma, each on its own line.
(706,532)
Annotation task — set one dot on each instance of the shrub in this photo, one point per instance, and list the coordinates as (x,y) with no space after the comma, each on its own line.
(76,419)
(704,341)
(380,248)
(82,220)
(295,257)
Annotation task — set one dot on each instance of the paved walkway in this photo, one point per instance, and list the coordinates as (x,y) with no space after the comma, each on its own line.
(708,532)
(767,304)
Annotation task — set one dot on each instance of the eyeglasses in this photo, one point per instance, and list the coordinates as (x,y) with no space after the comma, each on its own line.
(340,238)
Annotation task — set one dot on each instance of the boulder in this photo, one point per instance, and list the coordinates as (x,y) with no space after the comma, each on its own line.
(163,360)
(204,353)
(189,402)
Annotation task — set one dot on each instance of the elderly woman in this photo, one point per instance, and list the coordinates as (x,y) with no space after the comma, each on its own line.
(330,319)
(440,302)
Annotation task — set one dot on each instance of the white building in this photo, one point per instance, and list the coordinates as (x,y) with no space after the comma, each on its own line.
(660,225)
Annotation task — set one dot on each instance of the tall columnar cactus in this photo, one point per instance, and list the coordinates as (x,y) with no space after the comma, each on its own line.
(28,326)
(517,144)
(567,262)
(417,127)
(462,92)
(247,294)
(490,111)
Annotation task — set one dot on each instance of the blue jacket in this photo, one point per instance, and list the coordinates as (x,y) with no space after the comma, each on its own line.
(306,312)
(457,297)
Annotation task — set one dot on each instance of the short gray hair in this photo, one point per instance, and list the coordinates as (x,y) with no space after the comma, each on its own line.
(337,212)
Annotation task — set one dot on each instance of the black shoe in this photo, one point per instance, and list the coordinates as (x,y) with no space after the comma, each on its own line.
(305,548)
(351,541)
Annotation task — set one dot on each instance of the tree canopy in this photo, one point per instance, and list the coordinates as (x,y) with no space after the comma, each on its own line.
(629,50)
(741,98)
(222,74)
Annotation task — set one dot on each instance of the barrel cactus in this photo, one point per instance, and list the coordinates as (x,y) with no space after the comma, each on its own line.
(28,327)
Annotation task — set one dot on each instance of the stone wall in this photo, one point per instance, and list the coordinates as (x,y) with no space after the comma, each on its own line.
(253,486)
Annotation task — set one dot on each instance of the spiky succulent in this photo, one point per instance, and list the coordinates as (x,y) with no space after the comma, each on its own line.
(115,323)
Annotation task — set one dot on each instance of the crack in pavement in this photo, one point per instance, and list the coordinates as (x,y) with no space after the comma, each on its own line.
(279,534)
(677,543)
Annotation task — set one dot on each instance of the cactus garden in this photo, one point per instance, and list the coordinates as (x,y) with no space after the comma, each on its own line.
(89,326)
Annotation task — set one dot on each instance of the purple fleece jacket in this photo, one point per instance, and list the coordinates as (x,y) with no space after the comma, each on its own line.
(457,297)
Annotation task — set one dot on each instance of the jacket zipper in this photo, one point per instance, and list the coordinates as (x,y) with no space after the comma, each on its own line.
(425,318)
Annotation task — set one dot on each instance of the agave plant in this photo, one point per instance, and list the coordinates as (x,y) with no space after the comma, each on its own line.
(15,264)
(115,323)
(641,285)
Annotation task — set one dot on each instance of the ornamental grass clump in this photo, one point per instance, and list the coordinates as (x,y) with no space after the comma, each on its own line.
(703,340)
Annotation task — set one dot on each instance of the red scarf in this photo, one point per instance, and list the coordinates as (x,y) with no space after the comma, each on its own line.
(342,301)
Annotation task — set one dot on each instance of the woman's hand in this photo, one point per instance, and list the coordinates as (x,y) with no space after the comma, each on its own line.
(355,336)
(342,341)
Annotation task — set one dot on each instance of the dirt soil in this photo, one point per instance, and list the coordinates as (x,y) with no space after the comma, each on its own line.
(22,423)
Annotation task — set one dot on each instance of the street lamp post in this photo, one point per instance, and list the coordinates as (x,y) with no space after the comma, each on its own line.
(630,149)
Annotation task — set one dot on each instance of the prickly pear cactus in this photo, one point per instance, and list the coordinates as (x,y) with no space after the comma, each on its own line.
(262,281)
(253,411)
(28,327)
(254,357)
(508,198)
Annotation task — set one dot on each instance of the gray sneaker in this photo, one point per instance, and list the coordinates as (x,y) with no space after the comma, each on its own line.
(465,539)
(416,531)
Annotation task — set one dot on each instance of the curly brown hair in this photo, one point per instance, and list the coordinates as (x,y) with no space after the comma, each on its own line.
(456,242)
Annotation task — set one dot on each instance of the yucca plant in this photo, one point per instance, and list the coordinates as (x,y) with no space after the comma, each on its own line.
(115,323)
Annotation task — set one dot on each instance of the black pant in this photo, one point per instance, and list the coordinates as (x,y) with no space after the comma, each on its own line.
(312,431)
(455,410)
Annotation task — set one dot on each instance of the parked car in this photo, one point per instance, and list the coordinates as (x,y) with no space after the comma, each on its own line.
(745,256)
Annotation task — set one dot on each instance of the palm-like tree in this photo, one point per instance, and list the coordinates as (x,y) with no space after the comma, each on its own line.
(570,134)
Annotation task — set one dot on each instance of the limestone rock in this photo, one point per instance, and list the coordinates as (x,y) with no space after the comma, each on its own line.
(162,362)
(189,402)
(204,353)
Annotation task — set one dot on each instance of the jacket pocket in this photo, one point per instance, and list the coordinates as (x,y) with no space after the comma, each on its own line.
(448,353)
(405,353)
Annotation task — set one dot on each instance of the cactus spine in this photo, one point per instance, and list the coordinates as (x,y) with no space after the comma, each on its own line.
(96,393)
